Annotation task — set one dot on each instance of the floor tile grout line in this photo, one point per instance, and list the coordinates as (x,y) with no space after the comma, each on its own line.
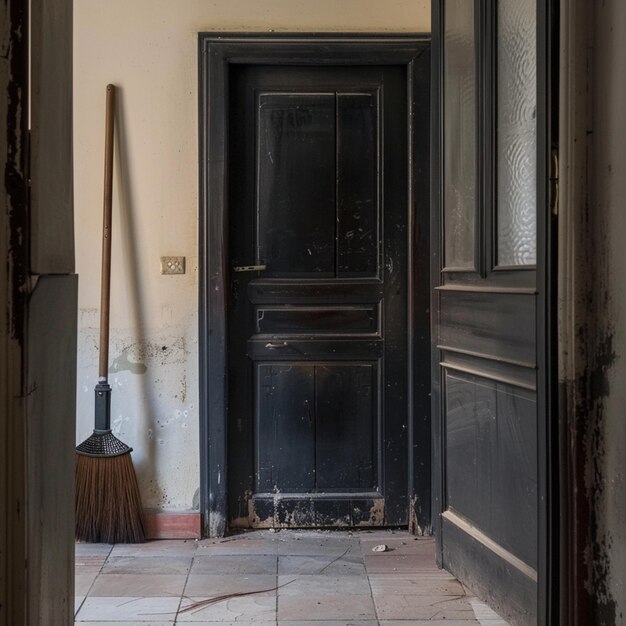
(182,593)
(93,582)
(369,584)
(277,579)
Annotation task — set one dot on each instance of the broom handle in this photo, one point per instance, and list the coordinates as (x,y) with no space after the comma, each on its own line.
(105,289)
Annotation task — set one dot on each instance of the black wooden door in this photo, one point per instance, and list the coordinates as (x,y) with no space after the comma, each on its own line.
(491,300)
(317,310)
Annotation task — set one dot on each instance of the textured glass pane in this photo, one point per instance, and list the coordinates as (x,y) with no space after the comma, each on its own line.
(517,132)
(459,133)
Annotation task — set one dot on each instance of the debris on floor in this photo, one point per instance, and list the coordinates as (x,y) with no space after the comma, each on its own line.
(381,547)
(295,576)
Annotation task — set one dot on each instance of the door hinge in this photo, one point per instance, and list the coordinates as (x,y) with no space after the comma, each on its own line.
(554,181)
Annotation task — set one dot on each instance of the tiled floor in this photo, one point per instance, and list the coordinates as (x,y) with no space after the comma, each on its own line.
(297,578)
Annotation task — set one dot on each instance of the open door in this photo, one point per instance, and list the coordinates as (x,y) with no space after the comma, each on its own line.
(492,300)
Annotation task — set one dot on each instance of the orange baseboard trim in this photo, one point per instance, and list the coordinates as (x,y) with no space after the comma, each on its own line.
(172,525)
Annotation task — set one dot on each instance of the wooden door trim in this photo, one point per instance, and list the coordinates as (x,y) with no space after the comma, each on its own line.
(216,52)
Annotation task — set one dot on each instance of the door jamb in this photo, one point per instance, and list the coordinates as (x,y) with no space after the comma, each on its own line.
(216,52)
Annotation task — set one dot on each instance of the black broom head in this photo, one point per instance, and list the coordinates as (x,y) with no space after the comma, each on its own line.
(103,443)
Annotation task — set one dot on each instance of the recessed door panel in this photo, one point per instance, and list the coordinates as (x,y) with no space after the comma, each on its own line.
(346,419)
(285,427)
(296,184)
(358,225)
(491,460)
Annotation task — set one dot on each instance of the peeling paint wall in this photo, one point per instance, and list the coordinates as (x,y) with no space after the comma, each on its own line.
(593,305)
(149,49)
(606,375)
(14,252)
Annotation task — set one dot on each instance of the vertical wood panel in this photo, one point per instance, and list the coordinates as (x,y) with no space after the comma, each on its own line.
(296,184)
(346,412)
(491,461)
(358,228)
(51,407)
(285,433)
(13,295)
(52,195)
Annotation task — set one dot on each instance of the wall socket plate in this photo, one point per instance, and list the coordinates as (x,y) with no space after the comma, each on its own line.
(172,265)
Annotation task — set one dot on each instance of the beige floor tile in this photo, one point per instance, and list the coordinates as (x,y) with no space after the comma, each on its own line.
(331,622)
(125,623)
(93,549)
(139,585)
(271,622)
(459,603)
(83,583)
(324,576)
(123,609)
(89,564)
(78,600)
(346,565)
(402,584)
(300,585)
(147,565)
(246,609)
(389,562)
(318,548)
(484,613)
(420,622)
(400,607)
(237,546)
(163,547)
(234,564)
(403,545)
(209,585)
(447,615)
(326,607)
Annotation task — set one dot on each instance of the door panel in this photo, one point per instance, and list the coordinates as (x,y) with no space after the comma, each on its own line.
(284,416)
(357,185)
(346,407)
(317,342)
(487,293)
(491,460)
(296,184)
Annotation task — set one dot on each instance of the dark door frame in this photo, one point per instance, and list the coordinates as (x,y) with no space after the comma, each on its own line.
(216,52)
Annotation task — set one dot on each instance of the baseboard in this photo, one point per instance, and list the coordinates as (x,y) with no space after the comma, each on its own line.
(170,525)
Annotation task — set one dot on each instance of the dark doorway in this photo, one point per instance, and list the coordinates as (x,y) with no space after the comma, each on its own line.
(309,284)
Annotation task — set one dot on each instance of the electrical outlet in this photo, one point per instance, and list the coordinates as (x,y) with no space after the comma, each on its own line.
(172,265)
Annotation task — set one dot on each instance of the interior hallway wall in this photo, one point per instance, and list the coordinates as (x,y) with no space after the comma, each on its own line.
(148,48)
(607,372)
(592,221)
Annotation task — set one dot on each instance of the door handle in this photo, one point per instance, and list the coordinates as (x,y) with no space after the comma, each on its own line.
(276,346)
(249,268)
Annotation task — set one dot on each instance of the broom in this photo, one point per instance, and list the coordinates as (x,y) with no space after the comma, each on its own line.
(108,503)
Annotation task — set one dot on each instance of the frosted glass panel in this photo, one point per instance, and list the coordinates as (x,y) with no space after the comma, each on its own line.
(517,132)
(459,133)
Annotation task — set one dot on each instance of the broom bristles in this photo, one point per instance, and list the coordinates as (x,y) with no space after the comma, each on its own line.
(108,503)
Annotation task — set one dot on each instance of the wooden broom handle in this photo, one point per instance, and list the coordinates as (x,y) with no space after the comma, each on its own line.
(105,288)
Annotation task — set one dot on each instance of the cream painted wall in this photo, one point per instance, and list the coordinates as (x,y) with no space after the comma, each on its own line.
(148,48)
